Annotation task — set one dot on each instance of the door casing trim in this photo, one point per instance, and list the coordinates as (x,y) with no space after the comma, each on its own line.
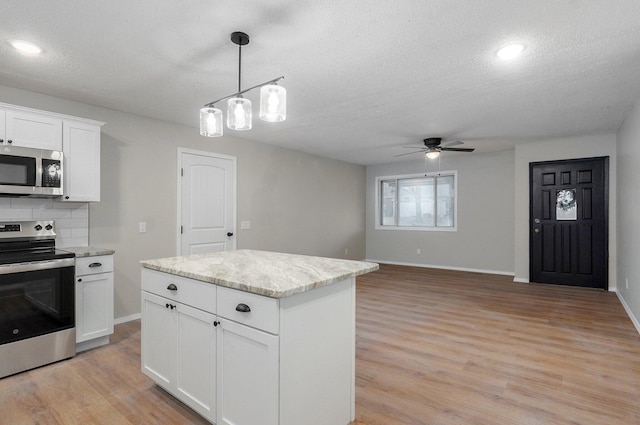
(234,161)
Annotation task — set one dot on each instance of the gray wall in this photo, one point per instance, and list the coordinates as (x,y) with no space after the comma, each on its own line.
(484,238)
(629,205)
(296,202)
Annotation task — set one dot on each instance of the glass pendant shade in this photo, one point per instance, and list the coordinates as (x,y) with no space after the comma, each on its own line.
(433,154)
(273,103)
(239,113)
(211,122)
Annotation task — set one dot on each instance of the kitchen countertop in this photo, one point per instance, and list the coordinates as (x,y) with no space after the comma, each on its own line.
(88,251)
(272,274)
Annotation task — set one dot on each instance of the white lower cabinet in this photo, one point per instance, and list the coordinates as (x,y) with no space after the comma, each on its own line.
(239,358)
(179,351)
(247,375)
(94,301)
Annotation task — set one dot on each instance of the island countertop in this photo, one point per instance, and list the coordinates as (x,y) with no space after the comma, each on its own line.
(272,274)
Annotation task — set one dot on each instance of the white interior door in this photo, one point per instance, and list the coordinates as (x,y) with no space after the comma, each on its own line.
(207,202)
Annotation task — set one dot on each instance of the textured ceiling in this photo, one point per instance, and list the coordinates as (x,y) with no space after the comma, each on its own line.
(363,78)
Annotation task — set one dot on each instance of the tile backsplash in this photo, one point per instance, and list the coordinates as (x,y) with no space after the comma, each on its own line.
(72,218)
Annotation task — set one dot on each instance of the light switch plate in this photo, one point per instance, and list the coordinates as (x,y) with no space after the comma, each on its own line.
(245,225)
(142,227)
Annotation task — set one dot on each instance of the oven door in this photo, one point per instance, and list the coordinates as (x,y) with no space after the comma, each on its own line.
(36,298)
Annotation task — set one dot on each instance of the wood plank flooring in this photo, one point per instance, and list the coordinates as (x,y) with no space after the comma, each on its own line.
(447,348)
(433,347)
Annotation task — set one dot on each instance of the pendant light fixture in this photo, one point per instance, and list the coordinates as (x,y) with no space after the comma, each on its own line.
(273,102)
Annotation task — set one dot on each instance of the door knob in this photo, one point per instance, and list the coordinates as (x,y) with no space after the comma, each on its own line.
(536,230)
(537,220)
(229,234)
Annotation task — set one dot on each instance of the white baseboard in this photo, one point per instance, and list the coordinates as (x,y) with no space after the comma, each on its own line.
(635,321)
(431,266)
(127,318)
(520,280)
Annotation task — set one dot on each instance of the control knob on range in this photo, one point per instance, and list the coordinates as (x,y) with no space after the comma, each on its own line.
(48,227)
(38,227)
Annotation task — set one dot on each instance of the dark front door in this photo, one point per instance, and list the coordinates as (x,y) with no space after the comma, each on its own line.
(568,222)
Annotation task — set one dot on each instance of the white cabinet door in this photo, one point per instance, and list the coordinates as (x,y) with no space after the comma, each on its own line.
(81,147)
(196,360)
(33,130)
(94,306)
(247,376)
(159,327)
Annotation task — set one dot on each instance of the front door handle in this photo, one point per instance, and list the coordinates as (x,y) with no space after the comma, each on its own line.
(229,234)
(536,230)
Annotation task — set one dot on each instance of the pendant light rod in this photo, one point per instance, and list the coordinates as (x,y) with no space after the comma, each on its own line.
(244,91)
(239,67)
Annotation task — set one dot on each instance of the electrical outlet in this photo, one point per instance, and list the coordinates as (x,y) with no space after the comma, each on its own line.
(626,282)
(418,251)
(346,251)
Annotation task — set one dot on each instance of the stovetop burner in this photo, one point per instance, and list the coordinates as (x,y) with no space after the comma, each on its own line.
(28,241)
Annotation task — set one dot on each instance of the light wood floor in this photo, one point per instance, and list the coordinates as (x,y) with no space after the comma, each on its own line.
(433,347)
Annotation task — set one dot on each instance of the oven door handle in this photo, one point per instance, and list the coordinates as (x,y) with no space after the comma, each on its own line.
(36,265)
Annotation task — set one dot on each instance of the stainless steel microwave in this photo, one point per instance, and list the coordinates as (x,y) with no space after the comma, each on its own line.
(30,172)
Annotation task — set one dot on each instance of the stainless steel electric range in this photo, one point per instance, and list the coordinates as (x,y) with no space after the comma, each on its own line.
(37,297)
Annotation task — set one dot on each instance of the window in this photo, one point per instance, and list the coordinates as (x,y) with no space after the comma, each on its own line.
(423,202)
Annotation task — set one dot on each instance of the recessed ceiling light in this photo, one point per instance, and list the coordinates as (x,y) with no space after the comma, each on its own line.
(25,47)
(511,51)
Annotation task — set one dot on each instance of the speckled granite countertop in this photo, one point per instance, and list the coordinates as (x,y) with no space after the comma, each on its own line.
(272,274)
(88,251)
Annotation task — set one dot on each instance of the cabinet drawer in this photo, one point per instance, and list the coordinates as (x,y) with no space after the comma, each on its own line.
(93,265)
(191,292)
(263,311)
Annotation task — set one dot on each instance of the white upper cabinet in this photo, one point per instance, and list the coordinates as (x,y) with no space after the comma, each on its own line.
(81,147)
(32,130)
(77,138)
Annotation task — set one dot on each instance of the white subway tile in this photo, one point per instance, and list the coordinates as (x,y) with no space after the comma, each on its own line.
(70,223)
(62,243)
(79,232)
(80,212)
(72,219)
(34,203)
(11,214)
(51,214)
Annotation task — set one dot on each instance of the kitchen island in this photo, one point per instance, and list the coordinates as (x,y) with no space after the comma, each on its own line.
(253,337)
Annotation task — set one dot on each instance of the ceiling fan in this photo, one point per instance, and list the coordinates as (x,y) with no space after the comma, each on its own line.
(432,147)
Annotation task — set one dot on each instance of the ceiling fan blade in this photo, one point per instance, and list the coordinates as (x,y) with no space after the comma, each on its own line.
(408,153)
(458,149)
(449,144)
(414,147)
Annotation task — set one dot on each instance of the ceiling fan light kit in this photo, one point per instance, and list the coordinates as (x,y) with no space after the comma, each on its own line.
(273,102)
(433,146)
